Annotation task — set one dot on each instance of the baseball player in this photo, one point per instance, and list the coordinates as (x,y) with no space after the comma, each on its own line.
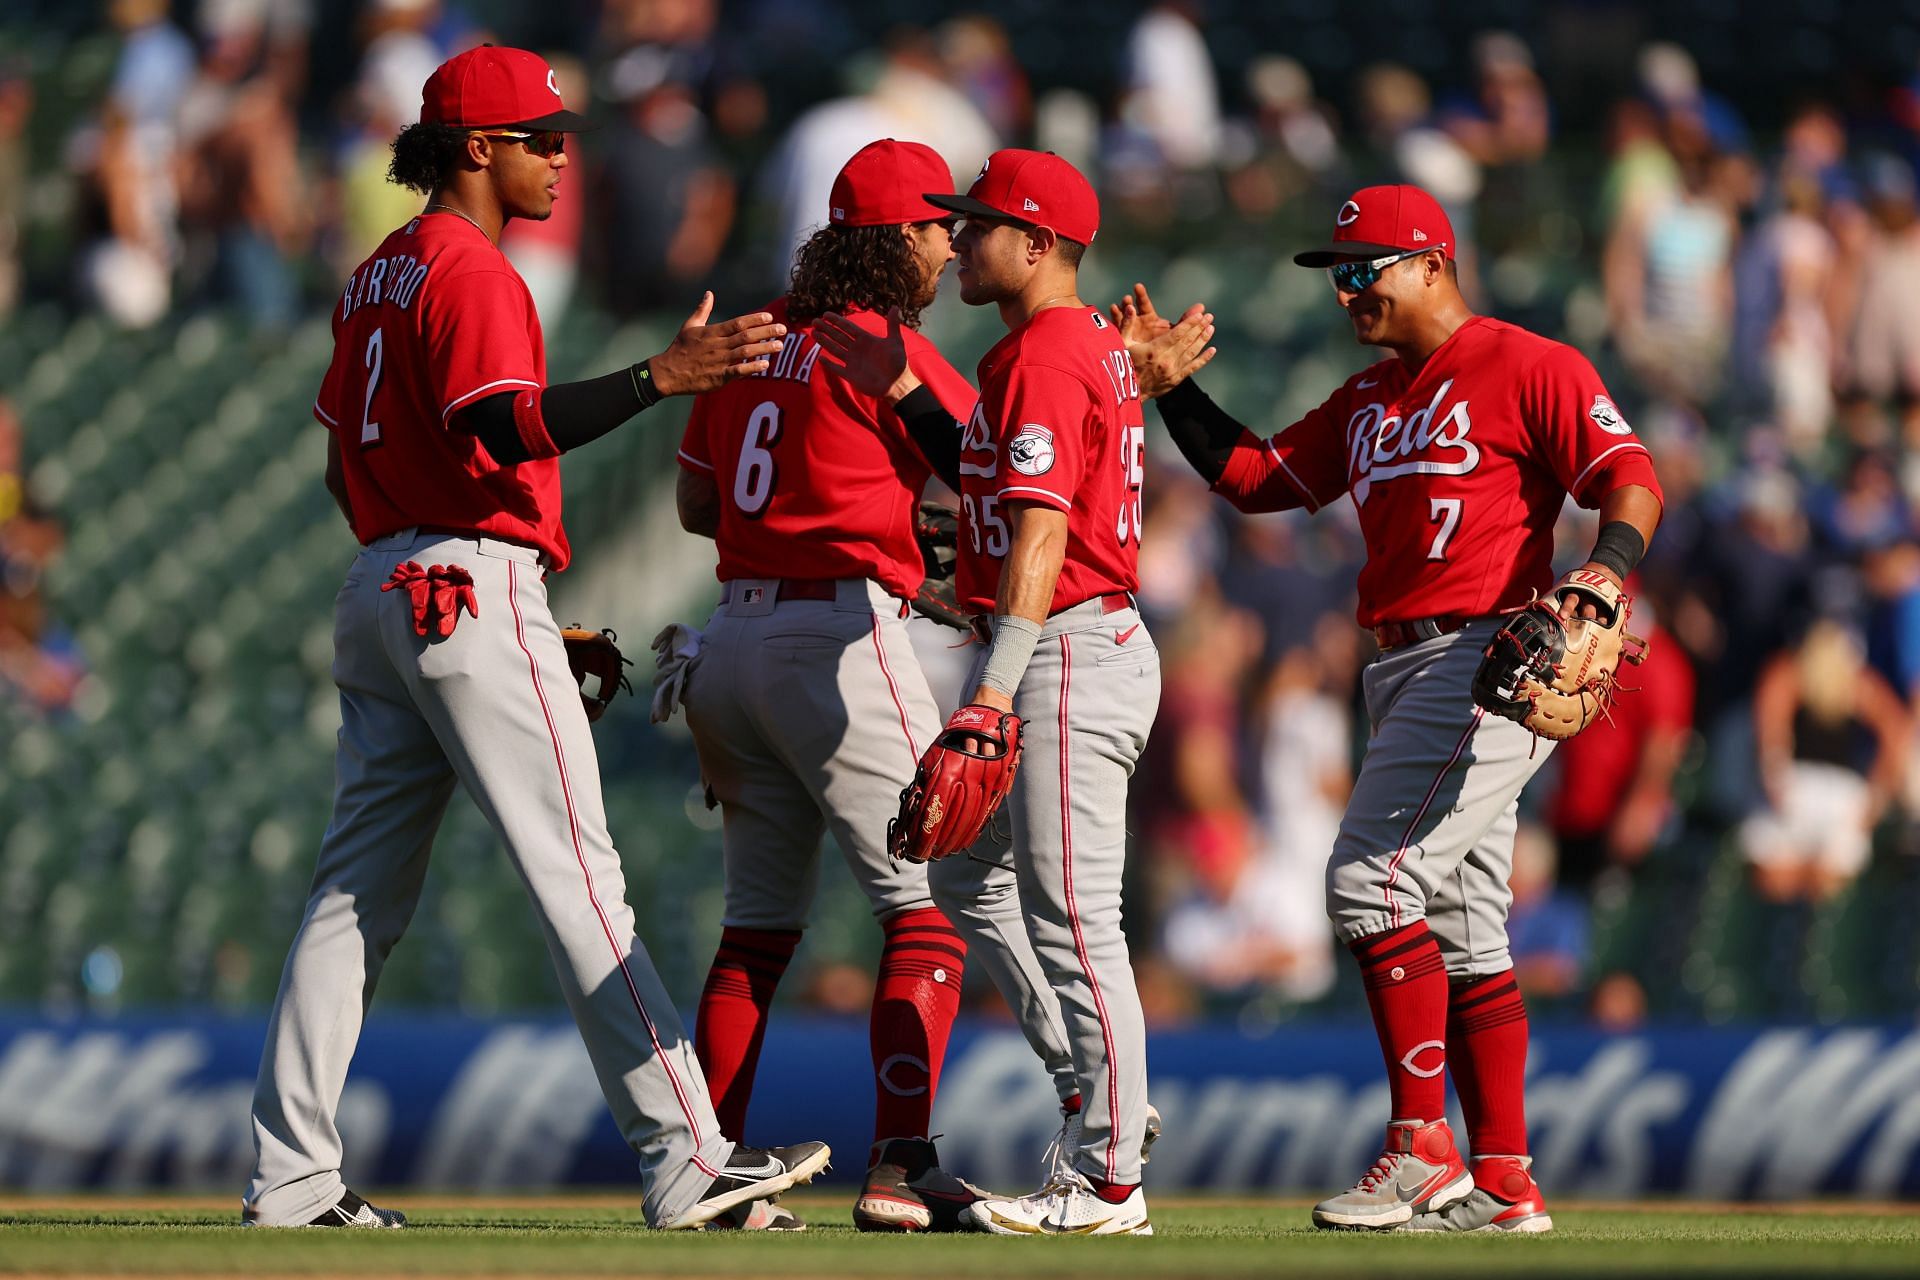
(807,704)
(1458,454)
(443,451)
(1049,464)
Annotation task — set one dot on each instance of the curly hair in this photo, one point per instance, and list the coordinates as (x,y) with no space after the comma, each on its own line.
(871,267)
(423,155)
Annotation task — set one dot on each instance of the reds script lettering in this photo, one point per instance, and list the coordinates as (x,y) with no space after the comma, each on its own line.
(1378,440)
(977,439)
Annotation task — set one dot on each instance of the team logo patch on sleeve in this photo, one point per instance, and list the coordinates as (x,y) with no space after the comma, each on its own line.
(1608,418)
(1031,450)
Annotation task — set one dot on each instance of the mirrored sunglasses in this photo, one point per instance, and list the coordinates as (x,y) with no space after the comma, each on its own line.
(546,142)
(1356,277)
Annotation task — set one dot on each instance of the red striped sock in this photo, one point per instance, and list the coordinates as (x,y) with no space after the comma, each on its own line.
(915,997)
(1407,991)
(1487,1051)
(733,1016)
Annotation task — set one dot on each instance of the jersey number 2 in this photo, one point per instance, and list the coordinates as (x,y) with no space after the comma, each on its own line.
(754,477)
(376,356)
(1445,512)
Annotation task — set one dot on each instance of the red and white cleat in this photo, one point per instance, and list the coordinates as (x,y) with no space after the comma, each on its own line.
(1419,1171)
(1504,1198)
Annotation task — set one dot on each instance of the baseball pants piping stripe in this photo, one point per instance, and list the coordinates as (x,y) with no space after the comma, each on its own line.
(1073,910)
(1406,841)
(880,650)
(573,828)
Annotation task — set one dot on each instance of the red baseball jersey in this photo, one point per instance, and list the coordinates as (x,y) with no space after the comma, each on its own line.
(1059,423)
(436,319)
(817,480)
(1458,473)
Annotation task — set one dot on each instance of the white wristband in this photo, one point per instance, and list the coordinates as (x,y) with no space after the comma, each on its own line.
(1013,640)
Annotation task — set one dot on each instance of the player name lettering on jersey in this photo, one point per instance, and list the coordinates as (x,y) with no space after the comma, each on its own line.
(798,354)
(1381,445)
(1121,375)
(395,280)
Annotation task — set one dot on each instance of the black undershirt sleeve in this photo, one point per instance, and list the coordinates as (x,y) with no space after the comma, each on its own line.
(1205,432)
(934,430)
(575,413)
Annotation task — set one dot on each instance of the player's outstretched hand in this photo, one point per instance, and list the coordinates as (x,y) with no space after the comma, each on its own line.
(704,356)
(1136,319)
(876,365)
(1176,355)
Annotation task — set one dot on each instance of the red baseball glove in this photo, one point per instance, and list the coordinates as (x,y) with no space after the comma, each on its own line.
(437,595)
(961,781)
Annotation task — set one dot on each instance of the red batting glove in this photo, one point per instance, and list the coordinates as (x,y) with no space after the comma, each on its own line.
(452,592)
(411,578)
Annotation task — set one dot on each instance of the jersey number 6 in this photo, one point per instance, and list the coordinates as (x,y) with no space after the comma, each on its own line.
(754,477)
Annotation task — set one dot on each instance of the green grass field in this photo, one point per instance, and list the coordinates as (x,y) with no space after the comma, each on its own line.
(1210,1238)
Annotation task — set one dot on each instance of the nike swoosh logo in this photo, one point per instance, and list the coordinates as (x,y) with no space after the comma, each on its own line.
(1121,637)
(1428,1187)
(1366,382)
(771,1169)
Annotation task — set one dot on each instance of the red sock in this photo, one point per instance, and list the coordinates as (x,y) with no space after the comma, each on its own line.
(1112,1192)
(733,1016)
(1487,1050)
(1407,990)
(915,996)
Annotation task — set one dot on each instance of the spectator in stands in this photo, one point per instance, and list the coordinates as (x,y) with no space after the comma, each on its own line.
(909,99)
(242,194)
(16,110)
(1613,799)
(1880,364)
(1507,120)
(663,202)
(40,664)
(1831,737)
(124,267)
(1865,509)
(1287,148)
(1783,337)
(1547,926)
(1169,95)
(981,64)
(1396,116)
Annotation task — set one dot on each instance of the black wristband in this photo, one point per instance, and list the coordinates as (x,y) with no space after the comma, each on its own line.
(1619,547)
(645,390)
(934,431)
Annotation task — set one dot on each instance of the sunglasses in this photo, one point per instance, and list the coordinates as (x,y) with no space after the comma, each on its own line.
(547,142)
(1357,277)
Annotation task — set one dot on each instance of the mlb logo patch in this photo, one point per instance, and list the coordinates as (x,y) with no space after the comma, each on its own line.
(753,595)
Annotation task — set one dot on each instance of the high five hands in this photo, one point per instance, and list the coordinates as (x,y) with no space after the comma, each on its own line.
(1165,353)
(876,364)
(704,356)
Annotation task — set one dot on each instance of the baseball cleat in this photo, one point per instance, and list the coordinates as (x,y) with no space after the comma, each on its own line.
(1504,1198)
(1419,1171)
(759,1215)
(753,1173)
(348,1211)
(907,1190)
(1066,1208)
(1059,1157)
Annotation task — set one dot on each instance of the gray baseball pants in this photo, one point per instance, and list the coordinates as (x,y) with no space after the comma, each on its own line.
(495,708)
(1429,829)
(1057,858)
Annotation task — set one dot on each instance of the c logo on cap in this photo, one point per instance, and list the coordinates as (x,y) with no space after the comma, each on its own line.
(1348,215)
(553,85)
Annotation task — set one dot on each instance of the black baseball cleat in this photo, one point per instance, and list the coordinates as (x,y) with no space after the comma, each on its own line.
(907,1190)
(754,1173)
(349,1211)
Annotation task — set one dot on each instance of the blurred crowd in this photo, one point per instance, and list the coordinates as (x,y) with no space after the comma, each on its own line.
(1742,272)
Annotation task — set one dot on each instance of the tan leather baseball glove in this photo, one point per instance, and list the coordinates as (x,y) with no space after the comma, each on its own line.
(1555,675)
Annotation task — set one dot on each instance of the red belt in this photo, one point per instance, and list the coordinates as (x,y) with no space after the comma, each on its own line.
(1115,603)
(795,589)
(1398,635)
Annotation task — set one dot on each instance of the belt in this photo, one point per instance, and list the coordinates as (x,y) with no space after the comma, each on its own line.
(447,531)
(794,589)
(1115,603)
(1398,635)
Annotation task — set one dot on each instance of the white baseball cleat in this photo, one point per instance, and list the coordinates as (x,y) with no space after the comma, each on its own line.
(349,1211)
(758,1215)
(1066,1208)
(1419,1171)
(1504,1198)
(1059,1157)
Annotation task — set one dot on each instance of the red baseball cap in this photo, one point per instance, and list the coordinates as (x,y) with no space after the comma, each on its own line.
(1037,188)
(886,183)
(1377,222)
(494,87)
